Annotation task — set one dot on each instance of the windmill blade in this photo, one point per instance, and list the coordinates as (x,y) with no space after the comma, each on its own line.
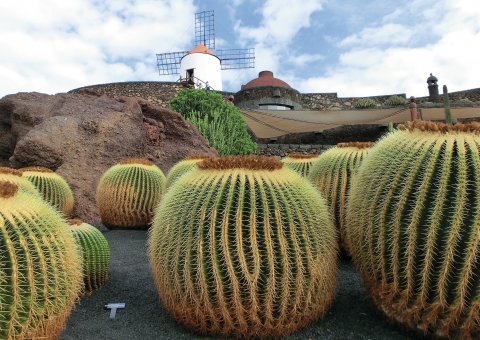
(205,29)
(236,58)
(169,63)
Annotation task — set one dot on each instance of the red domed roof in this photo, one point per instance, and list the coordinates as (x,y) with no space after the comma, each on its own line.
(200,49)
(265,78)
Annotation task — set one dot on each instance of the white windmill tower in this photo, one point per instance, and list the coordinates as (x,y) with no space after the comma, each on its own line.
(202,65)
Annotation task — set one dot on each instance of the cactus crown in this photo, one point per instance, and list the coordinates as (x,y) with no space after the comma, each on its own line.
(136,161)
(358,145)
(75,221)
(195,157)
(438,127)
(302,155)
(241,162)
(36,169)
(7,189)
(10,171)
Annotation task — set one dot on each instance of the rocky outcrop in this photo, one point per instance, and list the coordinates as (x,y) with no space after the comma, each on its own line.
(81,135)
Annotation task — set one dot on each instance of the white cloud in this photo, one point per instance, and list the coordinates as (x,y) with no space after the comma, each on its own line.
(391,34)
(54,46)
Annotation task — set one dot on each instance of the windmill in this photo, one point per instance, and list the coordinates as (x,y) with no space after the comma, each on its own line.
(202,65)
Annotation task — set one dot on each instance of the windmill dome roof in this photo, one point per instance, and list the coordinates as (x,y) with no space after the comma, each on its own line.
(265,78)
(201,48)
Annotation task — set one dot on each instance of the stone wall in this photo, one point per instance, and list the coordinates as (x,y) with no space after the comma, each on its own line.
(331,102)
(473,95)
(281,150)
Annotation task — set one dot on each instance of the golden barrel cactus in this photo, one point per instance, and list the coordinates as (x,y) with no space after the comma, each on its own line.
(243,247)
(181,168)
(53,187)
(128,192)
(413,223)
(14,176)
(95,254)
(40,276)
(300,162)
(332,174)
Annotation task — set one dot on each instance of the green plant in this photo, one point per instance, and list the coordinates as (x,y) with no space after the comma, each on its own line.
(364,103)
(300,163)
(413,222)
(15,177)
(219,122)
(40,277)
(395,101)
(446,105)
(181,168)
(128,192)
(241,246)
(53,187)
(332,175)
(95,254)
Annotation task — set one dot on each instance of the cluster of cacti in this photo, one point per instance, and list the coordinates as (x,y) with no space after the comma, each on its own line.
(332,174)
(364,103)
(95,254)
(128,192)
(413,223)
(40,276)
(299,162)
(241,246)
(14,176)
(395,101)
(53,187)
(181,168)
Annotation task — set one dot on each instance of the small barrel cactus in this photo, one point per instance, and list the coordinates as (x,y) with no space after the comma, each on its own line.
(53,187)
(128,192)
(413,223)
(243,247)
(299,162)
(332,174)
(181,168)
(95,253)
(40,276)
(14,176)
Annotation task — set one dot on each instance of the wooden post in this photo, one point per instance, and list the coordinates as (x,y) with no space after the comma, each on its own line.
(413,109)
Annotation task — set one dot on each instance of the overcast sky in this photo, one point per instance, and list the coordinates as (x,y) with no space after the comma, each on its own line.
(352,47)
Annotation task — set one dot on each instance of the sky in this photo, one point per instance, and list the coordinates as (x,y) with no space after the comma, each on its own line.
(351,47)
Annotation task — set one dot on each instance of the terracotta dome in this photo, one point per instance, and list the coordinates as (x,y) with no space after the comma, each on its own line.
(200,48)
(265,78)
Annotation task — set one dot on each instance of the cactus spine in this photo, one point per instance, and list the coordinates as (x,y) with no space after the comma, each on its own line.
(332,174)
(95,254)
(39,266)
(414,227)
(128,192)
(301,163)
(15,177)
(53,187)
(181,168)
(243,247)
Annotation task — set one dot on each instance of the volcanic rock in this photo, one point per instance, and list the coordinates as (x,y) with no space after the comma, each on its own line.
(81,135)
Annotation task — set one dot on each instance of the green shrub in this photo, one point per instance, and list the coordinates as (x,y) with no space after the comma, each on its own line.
(219,122)
(365,103)
(395,101)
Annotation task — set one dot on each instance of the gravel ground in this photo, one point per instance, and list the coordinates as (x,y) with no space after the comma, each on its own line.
(352,315)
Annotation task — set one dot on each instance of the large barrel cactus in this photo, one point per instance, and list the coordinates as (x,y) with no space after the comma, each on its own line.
(413,222)
(181,168)
(332,174)
(40,276)
(95,253)
(243,247)
(53,187)
(300,162)
(14,176)
(128,192)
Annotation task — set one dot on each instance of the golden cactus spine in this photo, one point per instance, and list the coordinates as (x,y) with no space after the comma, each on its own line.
(53,187)
(300,163)
(14,176)
(332,174)
(413,223)
(181,168)
(95,254)
(128,192)
(243,247)
(39,267)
